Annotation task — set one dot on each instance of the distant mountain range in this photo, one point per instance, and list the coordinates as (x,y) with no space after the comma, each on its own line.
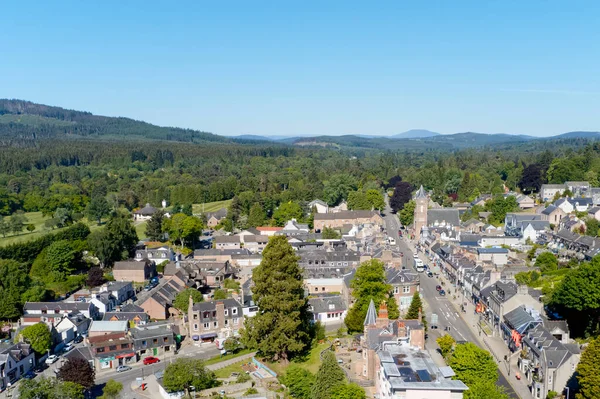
(416,134)
(24,121)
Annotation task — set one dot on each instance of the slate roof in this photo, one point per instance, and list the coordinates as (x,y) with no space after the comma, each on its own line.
(327,304)
(212,305)
(538,225)
(371,318)
(519,319)
(594,210)
(395,276)
(220,214)
(420,193)
(67,306)
(151,330)
(447,215)
(346,215)
(227,240)
(129,265)
(148,210)
(256,238)
(492,251)
(469,240)
(549,210)
(126,316)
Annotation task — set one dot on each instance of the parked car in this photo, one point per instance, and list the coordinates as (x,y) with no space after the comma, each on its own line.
(78,339)
(51,359)
(120,369)
(68,347)
(30,374)
(438,287)
(151,360)
(429,274)
(442,292)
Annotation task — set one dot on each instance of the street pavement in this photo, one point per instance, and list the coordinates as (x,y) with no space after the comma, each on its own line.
(442,306)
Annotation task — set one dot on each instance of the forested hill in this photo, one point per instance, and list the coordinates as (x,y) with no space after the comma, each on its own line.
(22,121)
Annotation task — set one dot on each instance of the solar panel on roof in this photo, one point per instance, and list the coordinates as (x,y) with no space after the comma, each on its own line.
(423,376)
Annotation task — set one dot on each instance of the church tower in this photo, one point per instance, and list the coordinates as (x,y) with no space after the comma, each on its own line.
(421,203)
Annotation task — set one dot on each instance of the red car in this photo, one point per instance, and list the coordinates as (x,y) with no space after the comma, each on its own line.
(151,360)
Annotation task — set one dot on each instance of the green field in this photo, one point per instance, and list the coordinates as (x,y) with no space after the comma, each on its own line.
(140,229)
(311,362)
(211,206)
(37,219)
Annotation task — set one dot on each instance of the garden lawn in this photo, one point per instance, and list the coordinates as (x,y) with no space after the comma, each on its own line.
(37,219)
(311,362)
(211,206)
(225,372)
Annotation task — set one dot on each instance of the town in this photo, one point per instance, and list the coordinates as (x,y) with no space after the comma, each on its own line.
(453,280)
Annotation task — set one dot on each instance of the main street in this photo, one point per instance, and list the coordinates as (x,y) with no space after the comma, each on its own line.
(447,314)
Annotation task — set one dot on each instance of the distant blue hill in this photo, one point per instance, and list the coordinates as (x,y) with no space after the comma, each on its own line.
(577,135)
(415,134)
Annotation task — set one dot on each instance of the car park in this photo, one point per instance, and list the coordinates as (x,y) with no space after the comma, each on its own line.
(121,369)
(151,360)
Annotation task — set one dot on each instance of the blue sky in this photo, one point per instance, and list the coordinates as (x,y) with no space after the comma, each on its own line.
(324,67)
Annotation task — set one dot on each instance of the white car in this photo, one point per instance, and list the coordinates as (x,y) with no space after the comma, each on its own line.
(392,241)
(51,359)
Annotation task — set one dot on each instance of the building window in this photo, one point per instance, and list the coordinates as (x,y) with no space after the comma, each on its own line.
(215,324)
(234,311)
(206,326)
(195,316)
(124,346)
(226,312)
(322,288)
(155,341)
(235,321)
(406,289)
(195,328)
(99,350)
(165,339)
(112,348)
(396,290)
(226,322)
(316,288)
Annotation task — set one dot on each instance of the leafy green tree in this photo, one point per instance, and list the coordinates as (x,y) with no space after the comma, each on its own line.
(182,300)
(578,297)
(416,306)
(407,214)
(336,189)
(78,371)
(111,389)
(185,373)
(319,331)
(369,283)
(30,227)
(154,227)
(375,199)
(446,343)
(485,389)
(187,210)
(588,371)
(220,294)
(257,215)
(299,382)
(546,261)
(49,388)
(232,345)
(287,211)
(17,223)
(348,391)
(183,228)
(4,226)
(38,336)
(35,293)
(592,226)
(500,206)
(358,200)
(97,208)
(472,364)
(281,328)
(116,241)
(231,284)
(61,257)
(329,376)
(62,217)
(330,234)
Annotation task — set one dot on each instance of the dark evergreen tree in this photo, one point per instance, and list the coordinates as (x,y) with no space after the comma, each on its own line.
(154,227)
(416,307)
(281,329)
(328,378)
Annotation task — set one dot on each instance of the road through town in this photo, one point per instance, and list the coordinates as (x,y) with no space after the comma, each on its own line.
(447,314)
